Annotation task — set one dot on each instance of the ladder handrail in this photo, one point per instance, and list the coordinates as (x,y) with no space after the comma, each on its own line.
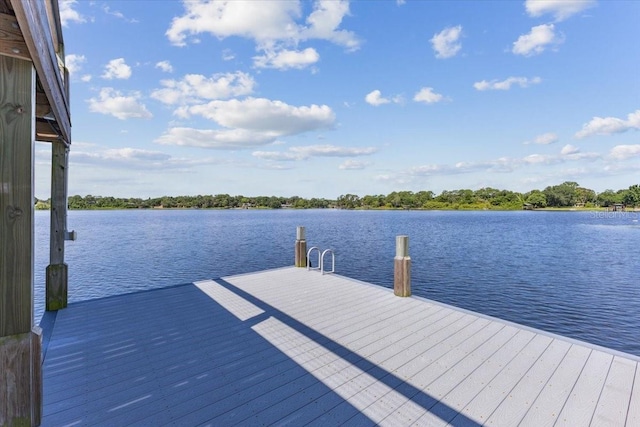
(333,261)
(309,259)
(321,260)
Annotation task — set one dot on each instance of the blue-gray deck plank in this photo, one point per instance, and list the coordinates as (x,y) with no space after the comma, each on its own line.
(291,347)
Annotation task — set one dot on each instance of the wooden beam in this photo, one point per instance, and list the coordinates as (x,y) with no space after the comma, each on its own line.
(45,133)
(42,105)
(16,199)
(33,22)
(11,41)
(17,136)
(57,271)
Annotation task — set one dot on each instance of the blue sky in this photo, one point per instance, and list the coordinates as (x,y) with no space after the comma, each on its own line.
(323,98)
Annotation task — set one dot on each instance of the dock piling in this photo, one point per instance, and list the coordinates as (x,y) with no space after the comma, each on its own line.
(402,268)
(300,248)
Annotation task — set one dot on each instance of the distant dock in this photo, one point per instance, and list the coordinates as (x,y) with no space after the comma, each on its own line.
(295,347)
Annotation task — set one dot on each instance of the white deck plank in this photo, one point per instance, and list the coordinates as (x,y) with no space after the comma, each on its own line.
(519,400)
(473,384)
(442,386)
(443,380)
(238,306)
(613,406)
(547,407)
(485,402)
(579,408)
(633,417)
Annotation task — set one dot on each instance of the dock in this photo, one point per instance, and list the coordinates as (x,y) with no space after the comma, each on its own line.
(295,347)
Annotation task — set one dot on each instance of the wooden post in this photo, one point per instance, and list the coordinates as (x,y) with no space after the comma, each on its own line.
(57,271)
(18,373)
(301,248)
(402,268)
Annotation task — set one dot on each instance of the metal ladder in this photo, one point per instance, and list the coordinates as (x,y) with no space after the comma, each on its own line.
(321,260)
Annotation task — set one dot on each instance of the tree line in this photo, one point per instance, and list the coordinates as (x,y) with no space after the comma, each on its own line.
(567,194)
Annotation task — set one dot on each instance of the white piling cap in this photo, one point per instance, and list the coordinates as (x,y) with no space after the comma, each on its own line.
(300,233)
(402,246)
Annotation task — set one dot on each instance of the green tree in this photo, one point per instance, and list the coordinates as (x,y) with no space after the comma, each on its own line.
(348,201)
(537,199)
(608,198)
(632,196)
(422,197)
(585,195)
(373,202)
(562,195)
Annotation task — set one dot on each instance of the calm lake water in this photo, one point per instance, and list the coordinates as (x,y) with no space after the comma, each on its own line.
(572,273)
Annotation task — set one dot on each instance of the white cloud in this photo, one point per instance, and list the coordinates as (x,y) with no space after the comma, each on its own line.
(285,59)
(195,88)
(581,156)
(353,165)
(273,26)
(134,158)
(506,84)
(278,156)
(117,69)
(428,96)
(86,78)
(308,151)
(332,151)
(74,62)
(119,15)
(539,159)
(560,9)
(69,14)
(536,41)
(261,21)
(568,153)
(544,139)
(226,139)
(324,22)
(375,98)
(428,170)
(569,149)
(228,55)
(126,154)
(267,23)
(264,115)
(165,66)
(445,43)
(610,125)
(624,152)
(248,123)
(113,102)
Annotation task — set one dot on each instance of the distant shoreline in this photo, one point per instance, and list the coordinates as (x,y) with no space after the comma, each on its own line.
(566,196)
(567,209)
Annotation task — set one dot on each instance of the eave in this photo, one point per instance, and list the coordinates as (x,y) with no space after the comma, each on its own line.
(31,30)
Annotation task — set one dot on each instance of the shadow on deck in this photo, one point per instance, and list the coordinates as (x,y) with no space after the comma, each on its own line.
(175,356)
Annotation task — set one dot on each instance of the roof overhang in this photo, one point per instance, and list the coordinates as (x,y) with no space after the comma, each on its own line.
(31,30)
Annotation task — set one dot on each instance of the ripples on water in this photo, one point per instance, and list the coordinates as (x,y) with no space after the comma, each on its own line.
(572,273)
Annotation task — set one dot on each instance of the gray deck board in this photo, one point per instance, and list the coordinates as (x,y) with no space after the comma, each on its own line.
(613,405)
(458,398)
(545,409)
(633,417)
(579,408)
(292,347)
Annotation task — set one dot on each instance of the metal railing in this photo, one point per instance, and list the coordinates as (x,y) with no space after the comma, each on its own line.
(321,260)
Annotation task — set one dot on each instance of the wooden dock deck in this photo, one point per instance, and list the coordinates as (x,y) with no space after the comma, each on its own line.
(292,347)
